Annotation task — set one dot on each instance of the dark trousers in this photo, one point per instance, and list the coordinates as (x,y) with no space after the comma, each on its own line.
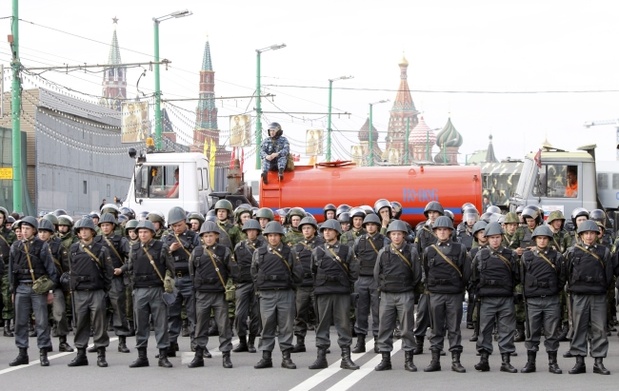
(305,305)
(392,307)
(446,314)
(185,294)
(367,288)
(26,302)
(491,311)
(543,313)
(277,313)
(147,303)
(333,308)
(246,307)
(589,316)
(118,299)
(90,313)
(422,317)
(215,301)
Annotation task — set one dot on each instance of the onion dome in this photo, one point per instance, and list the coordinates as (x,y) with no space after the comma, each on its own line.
(422,134)
(363,132)
(449,136)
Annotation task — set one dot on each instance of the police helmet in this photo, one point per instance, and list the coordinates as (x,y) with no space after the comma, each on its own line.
(542,230)
(380,204)
(276,126)
(479,226)
(357,212)
(344,218)
(450,215)
(308,221)
(46,225)
(470,215)
(519,209)
(208,227)
(130,225)
(397,225)
(251,224)
(94,214)
(443,222)
(433,206)
(341,209)
(143,215)
(273,227)
(485,217)
(331,224)
(59,212)
(396,209)
(468,205)
(371,219)
(328,207)
(578,212)
(110,208)
(495,218)
(598,215)
(588,226)
(51,218)
(494,229)
(107,218)
(156,217)
(130,213)
(532,212)
(493,209)
(146,224)
(10,219)
(265,213)
(85,222)
(176,215)
(4,211)
(224,204)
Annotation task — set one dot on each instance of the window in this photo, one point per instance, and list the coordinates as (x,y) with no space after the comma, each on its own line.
(556,181)
(157,181)
(85,187)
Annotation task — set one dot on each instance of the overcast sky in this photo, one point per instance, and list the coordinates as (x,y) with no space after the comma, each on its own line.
(518,50)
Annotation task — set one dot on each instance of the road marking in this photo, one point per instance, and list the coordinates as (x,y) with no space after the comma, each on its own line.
(50,358)
(351,379)
(362,372)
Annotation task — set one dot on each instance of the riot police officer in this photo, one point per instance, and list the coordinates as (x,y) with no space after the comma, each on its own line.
(448,269)
(495,273)
(181,242)
(543,277)
(274,152)
(397,272)
(210,266)
(366,248)
(335,271)
(589,275)
(152,265)
(246,307)
(91,278)
(305,291)
(276,270)
(30,259)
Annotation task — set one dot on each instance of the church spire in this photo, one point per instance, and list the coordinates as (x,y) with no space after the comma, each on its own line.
(206,116)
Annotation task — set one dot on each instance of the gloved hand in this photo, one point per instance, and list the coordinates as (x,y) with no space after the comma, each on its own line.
(168,284)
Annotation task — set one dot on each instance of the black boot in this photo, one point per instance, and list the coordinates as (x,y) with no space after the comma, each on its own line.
(519,337)
(483,365)
(242,346)
(579,367)
(300,345)
(599,368)
(287,361)
(530,365)
(21,359)
(80,360)
(63,345)
(435,363)
(553,367)
(321,359)
(45,362)
(418,345)
(251,348)
(360,346)
(265,176)
(568,354)
(265,361)
(163,358)
(347,362)
(475,335)
(7,328)
(280,174)
(226,360)
(198,359)
(376,345)
(506,366)
(206,353)
(122,344)
(408,361)
(172,349)
(101,362)
(142,360)
(385,363)
(456,366)
(185,328)
(91,349)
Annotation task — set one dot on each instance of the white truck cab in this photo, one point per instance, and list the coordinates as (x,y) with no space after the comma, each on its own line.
(545,181)
(162,180)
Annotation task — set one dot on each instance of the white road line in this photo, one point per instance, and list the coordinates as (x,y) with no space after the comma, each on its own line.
(334,368)
(362,372)
(50,358)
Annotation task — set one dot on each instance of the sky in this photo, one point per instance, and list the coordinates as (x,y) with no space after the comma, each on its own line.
(523,71)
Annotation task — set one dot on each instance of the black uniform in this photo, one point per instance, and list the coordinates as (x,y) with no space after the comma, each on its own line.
(91,279)
(305,291)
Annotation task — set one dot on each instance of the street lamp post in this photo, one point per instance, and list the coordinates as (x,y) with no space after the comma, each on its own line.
(329,113)
(259,102)
(158,124)
(370,141)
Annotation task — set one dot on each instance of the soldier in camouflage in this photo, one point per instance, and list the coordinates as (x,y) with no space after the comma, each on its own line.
(274,152)
(7,237)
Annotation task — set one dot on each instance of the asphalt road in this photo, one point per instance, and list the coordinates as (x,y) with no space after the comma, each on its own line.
(58,376)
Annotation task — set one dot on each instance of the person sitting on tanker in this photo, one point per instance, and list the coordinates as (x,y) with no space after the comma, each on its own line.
(571,190)
(274,152)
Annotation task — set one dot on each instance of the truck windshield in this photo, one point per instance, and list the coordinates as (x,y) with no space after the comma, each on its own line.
(156,181)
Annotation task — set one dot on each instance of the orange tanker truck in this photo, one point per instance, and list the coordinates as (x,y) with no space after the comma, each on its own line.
(312,187)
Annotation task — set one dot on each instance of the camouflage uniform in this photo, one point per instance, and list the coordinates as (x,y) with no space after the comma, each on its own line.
(271,145)
(7,237)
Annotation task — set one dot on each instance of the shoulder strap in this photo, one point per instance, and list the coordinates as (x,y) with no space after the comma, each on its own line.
(152,262)
(402,257)
(547,260)
(93,256)
(505,260)
(282,258)
(594,255)
(29,261)
(210,254)
(111,245)
(449,261)
(182,245)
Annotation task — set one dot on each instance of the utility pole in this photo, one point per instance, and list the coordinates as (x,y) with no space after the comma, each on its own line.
(329,113)
(16,110)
